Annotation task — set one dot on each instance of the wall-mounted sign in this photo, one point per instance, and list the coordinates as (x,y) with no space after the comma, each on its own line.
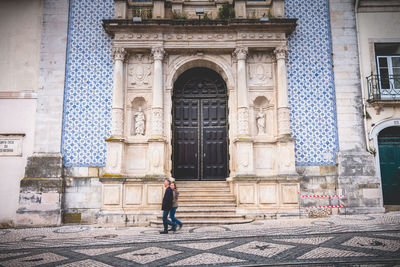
(11,144)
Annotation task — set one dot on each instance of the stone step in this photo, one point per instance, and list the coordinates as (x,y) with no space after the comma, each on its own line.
(204,196)
(201,185)
(206,222)
(207,205)
(191,217)
(203,200)
(204,190)
(205,211)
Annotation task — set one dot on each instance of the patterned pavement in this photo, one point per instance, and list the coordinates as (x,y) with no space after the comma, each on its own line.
(357,240)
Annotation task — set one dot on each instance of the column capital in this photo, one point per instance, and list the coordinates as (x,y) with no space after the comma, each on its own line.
(241,53)
(118,53)
(158,52)
(281,52)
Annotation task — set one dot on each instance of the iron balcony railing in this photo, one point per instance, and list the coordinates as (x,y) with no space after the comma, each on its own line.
(383,87)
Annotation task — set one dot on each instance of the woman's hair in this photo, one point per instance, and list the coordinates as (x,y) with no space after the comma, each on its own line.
(174,185)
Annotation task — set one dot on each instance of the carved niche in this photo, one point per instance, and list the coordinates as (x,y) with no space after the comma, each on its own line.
(138,117)
(264,116)
(140,71)
(260,69)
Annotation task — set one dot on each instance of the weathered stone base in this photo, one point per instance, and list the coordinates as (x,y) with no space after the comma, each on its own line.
(361,210)
(82,200)
(271,214)
(39,202)
(129,218)
(267,197)
(41,192)
(318,181)
(357,180)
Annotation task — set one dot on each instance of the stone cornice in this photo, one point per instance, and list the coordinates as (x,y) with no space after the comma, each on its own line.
(226,36)
(113,26)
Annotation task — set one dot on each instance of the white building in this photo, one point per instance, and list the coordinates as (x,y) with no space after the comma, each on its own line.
(379,49)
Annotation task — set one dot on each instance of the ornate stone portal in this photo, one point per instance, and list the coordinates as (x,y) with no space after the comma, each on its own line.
(250,56)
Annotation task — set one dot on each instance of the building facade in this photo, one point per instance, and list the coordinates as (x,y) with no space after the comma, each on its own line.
(264,95)
(379,50)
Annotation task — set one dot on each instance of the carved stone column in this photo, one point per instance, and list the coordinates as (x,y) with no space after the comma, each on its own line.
(242,91)
(115,144)
(283,104)
(244,144)
(158,92)
(286,157)
(118,93)
(157,140)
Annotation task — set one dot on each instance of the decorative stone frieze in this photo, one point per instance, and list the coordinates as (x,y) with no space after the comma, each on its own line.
(157,121)
(243,121)
(284,120)
(193,36)
(117,121)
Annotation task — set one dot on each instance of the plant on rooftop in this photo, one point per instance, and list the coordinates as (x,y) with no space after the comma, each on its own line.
(144,13)
(226,11)
(178,15)
(207,17)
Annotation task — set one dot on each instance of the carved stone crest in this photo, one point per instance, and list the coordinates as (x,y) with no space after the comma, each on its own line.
(139,74)
(260,74)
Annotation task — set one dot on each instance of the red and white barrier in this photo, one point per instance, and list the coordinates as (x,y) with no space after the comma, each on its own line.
(338,196)
(323,207)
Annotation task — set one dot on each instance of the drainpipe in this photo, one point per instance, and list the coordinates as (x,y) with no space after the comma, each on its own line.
(361,78)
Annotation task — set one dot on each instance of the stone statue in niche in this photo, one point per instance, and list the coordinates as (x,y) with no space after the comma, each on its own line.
(139,122)
(260,118)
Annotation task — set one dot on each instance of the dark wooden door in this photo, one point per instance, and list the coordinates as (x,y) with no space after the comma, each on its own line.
(200,150)
(389,157)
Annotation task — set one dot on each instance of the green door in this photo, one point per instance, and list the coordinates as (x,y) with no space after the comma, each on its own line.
(389,157)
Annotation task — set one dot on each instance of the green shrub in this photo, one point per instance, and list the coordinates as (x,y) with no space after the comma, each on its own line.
(178,15)
(226,11)
(142,12)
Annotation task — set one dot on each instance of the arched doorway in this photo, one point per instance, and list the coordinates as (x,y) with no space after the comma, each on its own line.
(389,158)
(200,126)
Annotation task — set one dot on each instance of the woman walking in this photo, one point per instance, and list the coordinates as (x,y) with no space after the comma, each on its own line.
(174,208)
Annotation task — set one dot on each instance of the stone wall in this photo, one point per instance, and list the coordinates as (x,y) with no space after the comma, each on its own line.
(357,176)
(20,31)
(41,190)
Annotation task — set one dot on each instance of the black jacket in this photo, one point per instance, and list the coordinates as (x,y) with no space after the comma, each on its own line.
(167,200)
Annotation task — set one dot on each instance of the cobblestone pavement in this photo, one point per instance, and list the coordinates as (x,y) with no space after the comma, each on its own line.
(356,240)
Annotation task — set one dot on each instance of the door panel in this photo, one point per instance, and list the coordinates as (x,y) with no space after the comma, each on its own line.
(214,153)
(186,113)
(389,157)
(186,153)
(214,112)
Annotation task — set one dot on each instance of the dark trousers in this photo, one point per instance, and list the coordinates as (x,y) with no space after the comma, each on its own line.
(172,216)
(166,221)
